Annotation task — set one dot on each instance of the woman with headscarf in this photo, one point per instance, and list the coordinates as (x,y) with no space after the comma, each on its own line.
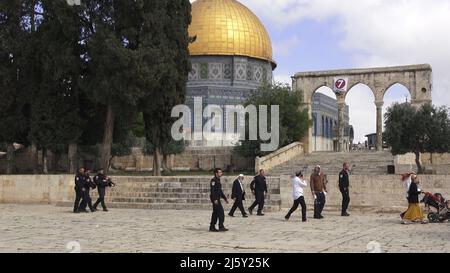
(406,179)
(414,212)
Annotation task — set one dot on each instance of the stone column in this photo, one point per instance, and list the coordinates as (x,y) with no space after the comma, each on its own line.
(72,158)
(307,139)
(341,124)
(379,105)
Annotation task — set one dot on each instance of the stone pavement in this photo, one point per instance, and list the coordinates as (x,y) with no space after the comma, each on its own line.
(45,228)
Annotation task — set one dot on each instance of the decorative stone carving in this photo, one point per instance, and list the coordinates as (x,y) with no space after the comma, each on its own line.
(215,71)
(204,71)
(194,74)
(227,71)
(240,72)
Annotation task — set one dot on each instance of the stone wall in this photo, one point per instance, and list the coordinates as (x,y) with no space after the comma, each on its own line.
(193,159)
(379,193)
(278,157)
(36,189)
(131,191)
(433,163)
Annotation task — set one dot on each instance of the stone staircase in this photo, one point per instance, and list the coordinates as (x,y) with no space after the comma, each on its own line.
(331,163)
(177,193)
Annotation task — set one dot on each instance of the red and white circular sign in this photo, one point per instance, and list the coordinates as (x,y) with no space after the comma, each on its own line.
(340,84)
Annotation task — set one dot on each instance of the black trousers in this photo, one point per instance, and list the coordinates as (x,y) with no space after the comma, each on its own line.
(299,201)
(86,201)
(319,204)
(259,200)
(78,196)
(217,215)
(345,199)
(101,198)
(238,204)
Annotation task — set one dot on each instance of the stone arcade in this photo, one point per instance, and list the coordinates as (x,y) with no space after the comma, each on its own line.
(416,78)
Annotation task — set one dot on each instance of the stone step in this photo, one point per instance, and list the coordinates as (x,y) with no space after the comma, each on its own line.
(162,192)
(158,195)
(170,200)
(177,185)
(331,163)
(166,206)
(175,192)
(123,197)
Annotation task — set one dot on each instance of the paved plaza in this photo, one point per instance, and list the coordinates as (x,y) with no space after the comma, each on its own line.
(45,228)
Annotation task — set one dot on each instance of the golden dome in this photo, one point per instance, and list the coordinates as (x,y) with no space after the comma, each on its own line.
(226,27)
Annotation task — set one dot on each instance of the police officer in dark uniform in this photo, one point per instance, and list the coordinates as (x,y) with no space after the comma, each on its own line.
(344,183)
(86,199)
(216,195)
(79,183)
(259,189)
(102,181)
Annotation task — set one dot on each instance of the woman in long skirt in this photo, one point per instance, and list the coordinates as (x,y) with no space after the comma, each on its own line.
(414,212)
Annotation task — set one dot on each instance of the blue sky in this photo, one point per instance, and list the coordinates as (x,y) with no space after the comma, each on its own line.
(309,35)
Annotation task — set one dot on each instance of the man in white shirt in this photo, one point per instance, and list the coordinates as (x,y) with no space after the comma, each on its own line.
(298,184)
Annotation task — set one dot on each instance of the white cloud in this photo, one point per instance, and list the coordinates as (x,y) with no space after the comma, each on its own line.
(286,79)
(284,47)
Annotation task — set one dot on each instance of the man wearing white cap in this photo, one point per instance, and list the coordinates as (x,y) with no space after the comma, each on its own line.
(238,195)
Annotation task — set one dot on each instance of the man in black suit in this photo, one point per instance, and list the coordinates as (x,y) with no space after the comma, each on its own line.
(238,195)
(259,189)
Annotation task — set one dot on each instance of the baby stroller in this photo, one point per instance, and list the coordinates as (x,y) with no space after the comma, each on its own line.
(441,205)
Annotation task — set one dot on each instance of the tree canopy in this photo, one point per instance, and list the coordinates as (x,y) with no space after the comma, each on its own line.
(83,74)
(294,121)
(417,130)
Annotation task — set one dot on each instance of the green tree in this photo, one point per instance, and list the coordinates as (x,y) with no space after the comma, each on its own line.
(412,130)
(294,121)
(168,32)
(55,119)
(123,58)
(16,45)
(171,148)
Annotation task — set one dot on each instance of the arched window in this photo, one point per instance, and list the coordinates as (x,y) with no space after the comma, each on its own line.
(331,128)
(327,125)
(315,124)
(323,126)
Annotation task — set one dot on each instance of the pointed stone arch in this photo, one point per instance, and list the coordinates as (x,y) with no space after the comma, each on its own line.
(416,78)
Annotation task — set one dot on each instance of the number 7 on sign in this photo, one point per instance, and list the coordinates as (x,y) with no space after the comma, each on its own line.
(340,84)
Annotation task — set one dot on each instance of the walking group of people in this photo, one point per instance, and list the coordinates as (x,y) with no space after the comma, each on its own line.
(83,185)
(258,187)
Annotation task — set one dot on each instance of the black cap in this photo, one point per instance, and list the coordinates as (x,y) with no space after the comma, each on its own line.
(300,173)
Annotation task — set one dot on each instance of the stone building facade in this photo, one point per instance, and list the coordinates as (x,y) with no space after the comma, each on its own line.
(325,124)
(222,81)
